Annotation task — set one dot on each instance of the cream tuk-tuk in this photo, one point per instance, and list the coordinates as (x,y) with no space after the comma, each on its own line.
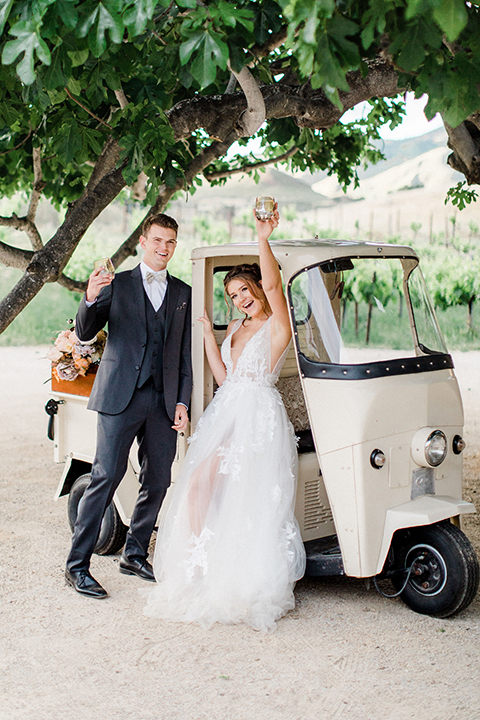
(370,389)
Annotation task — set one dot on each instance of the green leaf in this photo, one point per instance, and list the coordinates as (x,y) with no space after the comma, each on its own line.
(460,197)
(55,76)
(74,86)
(190,45)
(137,16)
(210,51)
(413,7)
(29,42)
(69,141)
(452,17)
(78,57)
(96,26)
(5,7)
(68,12)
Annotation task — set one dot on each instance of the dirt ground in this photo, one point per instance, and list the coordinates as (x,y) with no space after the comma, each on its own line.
(344,652)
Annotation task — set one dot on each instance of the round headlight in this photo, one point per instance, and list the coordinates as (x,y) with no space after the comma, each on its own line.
(436,448)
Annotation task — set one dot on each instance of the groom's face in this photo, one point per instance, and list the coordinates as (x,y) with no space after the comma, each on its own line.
(159,244)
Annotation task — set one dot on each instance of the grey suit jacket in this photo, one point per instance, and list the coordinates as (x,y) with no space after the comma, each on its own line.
(122,305)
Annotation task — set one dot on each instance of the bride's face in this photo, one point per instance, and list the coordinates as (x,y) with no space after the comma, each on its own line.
(243,299)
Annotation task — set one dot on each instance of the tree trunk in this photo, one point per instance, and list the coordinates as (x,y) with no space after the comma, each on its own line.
(369,323)
(470,314)
(48,262)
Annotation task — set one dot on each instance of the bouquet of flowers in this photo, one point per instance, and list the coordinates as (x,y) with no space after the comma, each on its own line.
(71,357)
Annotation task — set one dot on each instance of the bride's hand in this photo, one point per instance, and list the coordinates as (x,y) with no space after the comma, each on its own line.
(206,322)
(266,227)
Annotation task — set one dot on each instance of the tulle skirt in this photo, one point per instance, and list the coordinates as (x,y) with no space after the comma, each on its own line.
(228,546)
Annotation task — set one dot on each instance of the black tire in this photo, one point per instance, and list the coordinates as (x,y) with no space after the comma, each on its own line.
(445,574)
(112,532)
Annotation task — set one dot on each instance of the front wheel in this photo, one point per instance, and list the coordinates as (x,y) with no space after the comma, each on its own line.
(444,570)
(112,531)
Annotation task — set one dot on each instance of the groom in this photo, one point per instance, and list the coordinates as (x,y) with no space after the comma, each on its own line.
(143,385)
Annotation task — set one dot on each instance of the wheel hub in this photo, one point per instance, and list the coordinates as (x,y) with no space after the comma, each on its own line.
(429,572)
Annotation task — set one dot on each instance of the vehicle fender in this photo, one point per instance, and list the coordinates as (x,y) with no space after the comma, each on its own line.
(423,510)
(74,467)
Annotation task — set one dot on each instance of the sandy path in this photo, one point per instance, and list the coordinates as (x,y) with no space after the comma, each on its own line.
(344,652)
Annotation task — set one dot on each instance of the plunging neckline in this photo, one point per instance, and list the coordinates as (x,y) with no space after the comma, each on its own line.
(243,349)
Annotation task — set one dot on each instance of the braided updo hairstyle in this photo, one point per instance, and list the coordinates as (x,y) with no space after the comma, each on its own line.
(252,277)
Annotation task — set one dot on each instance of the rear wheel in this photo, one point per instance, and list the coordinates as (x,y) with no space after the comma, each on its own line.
(444,569)
(112,531)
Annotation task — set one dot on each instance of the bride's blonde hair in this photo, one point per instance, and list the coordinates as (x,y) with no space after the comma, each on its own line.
(252,277)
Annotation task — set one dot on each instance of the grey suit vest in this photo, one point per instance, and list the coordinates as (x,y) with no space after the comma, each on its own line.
(152,365)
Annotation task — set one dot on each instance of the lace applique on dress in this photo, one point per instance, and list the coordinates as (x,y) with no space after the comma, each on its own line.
(236,491)
(230,463)
(198,554)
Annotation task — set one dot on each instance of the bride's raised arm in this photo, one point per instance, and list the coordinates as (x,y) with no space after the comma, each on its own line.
(271,278)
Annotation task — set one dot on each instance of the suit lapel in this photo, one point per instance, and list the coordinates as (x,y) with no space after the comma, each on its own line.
(138,293)
(171,298)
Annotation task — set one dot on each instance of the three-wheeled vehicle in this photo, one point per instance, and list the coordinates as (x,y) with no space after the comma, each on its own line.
(371,391)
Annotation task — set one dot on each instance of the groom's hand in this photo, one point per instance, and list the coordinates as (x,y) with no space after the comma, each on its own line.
(97,280)
(181,418)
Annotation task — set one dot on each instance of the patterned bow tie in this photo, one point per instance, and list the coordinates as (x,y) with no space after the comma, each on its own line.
(160,276)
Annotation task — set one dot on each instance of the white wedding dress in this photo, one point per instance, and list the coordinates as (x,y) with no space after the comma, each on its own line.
(228,546)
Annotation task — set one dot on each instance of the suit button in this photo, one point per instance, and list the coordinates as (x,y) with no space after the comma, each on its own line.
(154,354)
(137,367)
(143,344)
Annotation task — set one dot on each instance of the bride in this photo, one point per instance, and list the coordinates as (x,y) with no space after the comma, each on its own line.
(228,547)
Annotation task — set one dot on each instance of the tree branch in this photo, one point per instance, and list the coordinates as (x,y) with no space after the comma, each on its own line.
(47,263)
(217,114)
(249,168)
(274,41)
(24,225)
(38,185)
(71,284)
(253,117)
(122,98)
(105,164)
(464,140)
(15,257)
(199,163)
(84,107)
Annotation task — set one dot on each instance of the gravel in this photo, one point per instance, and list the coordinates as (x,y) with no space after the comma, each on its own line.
(344,652)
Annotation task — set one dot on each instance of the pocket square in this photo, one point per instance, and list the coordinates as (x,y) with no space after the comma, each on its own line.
(180,307)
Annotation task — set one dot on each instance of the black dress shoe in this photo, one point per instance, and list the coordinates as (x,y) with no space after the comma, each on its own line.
(140,567)
(85,584)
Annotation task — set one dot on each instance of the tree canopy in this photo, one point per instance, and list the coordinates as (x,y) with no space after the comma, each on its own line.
(96,97)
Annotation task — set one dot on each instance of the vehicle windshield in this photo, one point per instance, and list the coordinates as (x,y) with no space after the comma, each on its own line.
(364,310)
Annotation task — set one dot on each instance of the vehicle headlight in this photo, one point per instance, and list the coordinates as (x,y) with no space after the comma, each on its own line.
(429,447)
(458,444)
(436,448)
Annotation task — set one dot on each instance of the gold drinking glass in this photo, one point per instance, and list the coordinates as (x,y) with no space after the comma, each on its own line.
(264,207)
(106,266)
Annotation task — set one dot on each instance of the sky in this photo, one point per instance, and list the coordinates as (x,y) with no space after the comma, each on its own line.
(415,123)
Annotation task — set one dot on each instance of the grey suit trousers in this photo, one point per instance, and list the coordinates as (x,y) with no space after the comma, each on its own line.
(145,418)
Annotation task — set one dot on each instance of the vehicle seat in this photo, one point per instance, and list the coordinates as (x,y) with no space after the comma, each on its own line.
(290,388)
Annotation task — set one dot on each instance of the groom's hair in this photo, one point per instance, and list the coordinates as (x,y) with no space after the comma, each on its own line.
(162,220)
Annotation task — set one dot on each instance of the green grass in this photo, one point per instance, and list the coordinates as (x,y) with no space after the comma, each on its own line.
(49,311)
(389,331)
(453,324)
(43,317)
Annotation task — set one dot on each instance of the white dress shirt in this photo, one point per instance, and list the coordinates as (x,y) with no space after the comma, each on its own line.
(156,287)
